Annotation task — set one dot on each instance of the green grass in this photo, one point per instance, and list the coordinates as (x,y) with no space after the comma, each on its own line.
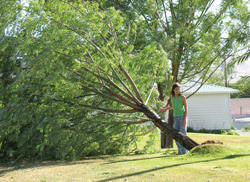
(230,162)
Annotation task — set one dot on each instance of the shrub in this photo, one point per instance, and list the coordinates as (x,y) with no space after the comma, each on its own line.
(246,128)
(230,132)
(217,131)
(223,132)
(190,129)
(233,127)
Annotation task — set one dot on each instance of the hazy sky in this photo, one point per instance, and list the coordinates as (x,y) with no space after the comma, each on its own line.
(241,70)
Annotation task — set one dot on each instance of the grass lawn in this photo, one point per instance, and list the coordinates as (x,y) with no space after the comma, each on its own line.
(230,162)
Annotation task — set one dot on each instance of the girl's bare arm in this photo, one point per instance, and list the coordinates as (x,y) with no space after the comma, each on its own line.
(168,107)
(184,100)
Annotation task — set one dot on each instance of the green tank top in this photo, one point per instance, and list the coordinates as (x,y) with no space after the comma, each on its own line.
(178,107)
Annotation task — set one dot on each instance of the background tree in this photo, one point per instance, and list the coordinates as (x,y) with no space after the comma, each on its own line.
(8,66)
(196,35)
(9,63)
(191,32)
(243,85)
(224,74)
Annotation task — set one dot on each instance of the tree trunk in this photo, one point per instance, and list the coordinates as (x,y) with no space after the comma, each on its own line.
(160,90)
(171,123)
(184,140)
(167,141)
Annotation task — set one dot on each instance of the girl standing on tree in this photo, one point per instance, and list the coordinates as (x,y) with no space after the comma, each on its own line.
(179,106)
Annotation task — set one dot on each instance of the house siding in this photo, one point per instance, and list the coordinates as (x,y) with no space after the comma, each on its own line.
(209,111)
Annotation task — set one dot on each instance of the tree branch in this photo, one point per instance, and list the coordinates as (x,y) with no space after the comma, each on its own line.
(135,98)
(97,91)
(131,82)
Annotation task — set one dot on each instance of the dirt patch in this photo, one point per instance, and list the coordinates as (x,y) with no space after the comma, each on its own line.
(212,142)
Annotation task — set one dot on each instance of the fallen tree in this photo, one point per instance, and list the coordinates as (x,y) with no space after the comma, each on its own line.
(75,91)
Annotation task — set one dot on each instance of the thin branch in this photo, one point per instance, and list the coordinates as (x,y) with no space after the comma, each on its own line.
(80,96)
(91,58)
(131,82)
(212,24)
(204,11)
(75,7)
(125,122)
(122,91)
(98,108)
(200,71)
(110,48)
(87,68)
(166,17)
(97,91)
(211,62)
(205,80)
(128,32)
(111,82)
(152,87)
(172,11)
(121,99)
(120,111)
(79,33)
(114,34)
(131,118)
(135,98)
(150,93)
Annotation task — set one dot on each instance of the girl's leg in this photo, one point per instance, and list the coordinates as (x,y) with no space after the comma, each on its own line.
(177,121)
(183,129)
(178,126)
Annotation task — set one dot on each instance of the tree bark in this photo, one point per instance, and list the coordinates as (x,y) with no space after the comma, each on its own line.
(171,123)
(184,140)
(167,141)
(160,90)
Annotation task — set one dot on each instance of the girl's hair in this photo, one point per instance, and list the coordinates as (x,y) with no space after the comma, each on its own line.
(174,86)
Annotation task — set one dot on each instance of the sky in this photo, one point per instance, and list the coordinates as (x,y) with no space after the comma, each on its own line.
(242,69)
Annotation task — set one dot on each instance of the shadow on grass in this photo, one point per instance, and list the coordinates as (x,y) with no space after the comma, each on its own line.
(13,166)
(171,166)
(130,160)
(10,167)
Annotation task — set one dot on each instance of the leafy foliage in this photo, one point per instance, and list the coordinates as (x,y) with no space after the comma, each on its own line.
(215,131)
(57,110)
(243,85)
(191,33)
(246,128)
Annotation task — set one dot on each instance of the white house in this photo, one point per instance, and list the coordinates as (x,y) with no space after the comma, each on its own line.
(209,107)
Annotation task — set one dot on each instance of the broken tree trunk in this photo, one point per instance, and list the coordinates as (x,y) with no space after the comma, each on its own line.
(126,97)
(184,140)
